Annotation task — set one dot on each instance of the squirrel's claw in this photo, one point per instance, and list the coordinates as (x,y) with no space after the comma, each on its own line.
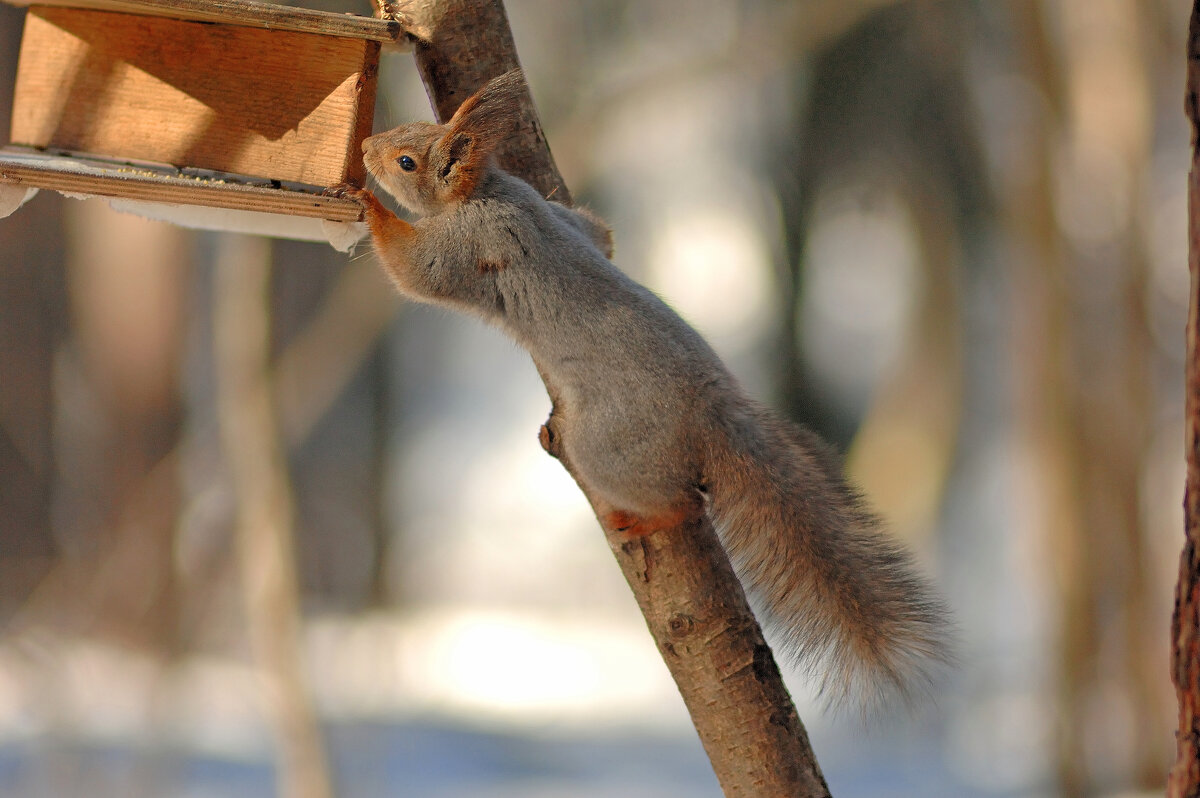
(348,191)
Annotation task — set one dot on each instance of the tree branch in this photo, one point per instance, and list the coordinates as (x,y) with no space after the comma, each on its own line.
(1184,779)
(693,603)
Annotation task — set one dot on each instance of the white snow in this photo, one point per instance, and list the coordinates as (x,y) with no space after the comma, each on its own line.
(13,197)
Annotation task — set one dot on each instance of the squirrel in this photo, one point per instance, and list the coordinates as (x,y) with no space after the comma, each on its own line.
(646,413)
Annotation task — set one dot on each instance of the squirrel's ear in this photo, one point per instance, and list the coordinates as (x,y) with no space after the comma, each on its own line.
(493,110)
(480,124)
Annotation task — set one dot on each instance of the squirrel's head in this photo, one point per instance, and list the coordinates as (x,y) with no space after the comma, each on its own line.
(427,166)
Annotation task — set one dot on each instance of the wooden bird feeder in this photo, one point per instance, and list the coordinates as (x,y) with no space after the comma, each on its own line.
(170,107)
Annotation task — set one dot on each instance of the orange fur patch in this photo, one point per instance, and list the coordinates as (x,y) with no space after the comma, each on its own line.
(638,526)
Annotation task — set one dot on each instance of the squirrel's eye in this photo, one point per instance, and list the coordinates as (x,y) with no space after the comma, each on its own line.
(406,163)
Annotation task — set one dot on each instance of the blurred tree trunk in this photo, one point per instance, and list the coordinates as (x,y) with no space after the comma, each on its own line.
(127,278)
(904,450)
(250,437)
(380,592)
(1084,347)
(31,329)
(30,333)
(1184,779)
(887,97)
(328,318)
(116,401)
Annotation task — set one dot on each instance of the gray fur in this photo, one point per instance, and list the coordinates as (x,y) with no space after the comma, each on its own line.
(652,420)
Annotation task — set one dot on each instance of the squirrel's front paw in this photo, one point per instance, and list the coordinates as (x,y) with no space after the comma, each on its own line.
(349,191)
(374,211)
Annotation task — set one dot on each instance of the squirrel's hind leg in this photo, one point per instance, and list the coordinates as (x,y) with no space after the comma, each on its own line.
(614,520)
(633,524)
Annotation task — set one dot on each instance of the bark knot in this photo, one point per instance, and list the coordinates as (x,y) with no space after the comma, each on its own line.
(681,625)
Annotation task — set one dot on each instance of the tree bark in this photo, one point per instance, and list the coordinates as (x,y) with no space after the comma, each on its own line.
(1184,779)
(693,603)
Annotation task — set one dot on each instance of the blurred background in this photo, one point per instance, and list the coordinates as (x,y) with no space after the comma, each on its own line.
(264,530)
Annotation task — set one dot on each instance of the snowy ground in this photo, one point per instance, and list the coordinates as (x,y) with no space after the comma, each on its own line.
(477,703)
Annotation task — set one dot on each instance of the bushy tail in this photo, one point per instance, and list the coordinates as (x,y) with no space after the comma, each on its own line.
(852,608)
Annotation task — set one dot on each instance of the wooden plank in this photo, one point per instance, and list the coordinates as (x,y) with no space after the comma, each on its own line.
(137,182)
(266,103)
(249,13)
